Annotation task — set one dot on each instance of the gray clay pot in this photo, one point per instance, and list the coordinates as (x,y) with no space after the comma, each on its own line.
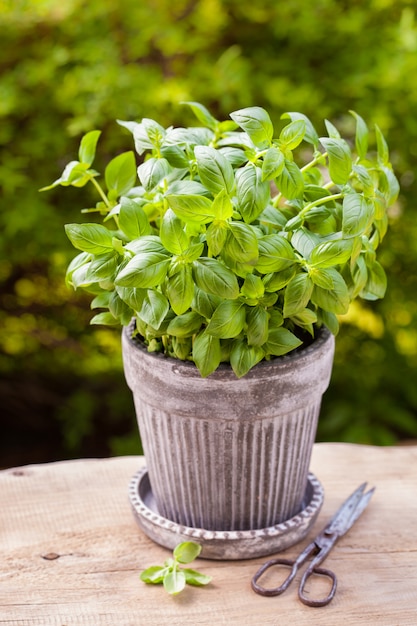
(225,453)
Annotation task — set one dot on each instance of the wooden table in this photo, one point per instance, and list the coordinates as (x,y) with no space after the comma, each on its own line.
(71,553)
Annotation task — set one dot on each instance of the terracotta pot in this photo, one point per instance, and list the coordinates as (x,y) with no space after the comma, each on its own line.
(225,453)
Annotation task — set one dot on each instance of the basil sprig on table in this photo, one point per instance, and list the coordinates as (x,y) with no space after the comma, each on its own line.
(172,575)
(232,242)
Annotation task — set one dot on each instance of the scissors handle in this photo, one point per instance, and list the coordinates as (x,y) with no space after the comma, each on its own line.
(320,571)
(274,591)
(294,565)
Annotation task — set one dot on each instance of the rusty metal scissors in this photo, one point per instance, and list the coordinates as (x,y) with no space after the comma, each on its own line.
(319,548)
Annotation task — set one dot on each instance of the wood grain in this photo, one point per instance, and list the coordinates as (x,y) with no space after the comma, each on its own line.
(71,553)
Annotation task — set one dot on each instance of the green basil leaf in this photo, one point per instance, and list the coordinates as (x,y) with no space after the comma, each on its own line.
(215,171)
(147,243)
(172,234)
(193,252)
(92,238)
(331,253)
(297,294)
(280,342)
(192,208)
(119,309)
(185,325)
(307,317)
(187,551)
(140,136)
(331,321)
(182,347)
(290,181)
(189,137)
(239,269)
(256,122)
(253,287)
(362,135)
(331,130)
(253,194)
(147,269)
(154,308)
(244,357)
(304,241)
(222,206)
(228,319)
(315,192)
(133,296)
(203,115)
(336,298)
(382,147)
(103,266)
(365,179)
(268,300)
(358,213)
(152,172)
(310,135)
(180,289)
(381,226)
(257,326)
(376,284)
(174,582)
(75,173)
(105,319)
(276,319)
(204,303)
(340,159)
(206,353)
(278,280)
(132,219)
(242,243)
(196,578)
(175,157)
(216,236)
(293,134)
(155,131)
(154,574)
(87,149)
(235,156)
(120,173)
(275,254)
(335,301)
(81,260)
(389,185)
(273,217)
(328,278)
(214,278)
(359,275)
(147,134)
(273,164)
(186,188)
(78,277)
(101,301)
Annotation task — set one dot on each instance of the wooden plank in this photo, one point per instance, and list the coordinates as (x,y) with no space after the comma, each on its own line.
(78,511)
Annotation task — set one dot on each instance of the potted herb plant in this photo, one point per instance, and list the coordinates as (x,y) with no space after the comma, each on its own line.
(227,255)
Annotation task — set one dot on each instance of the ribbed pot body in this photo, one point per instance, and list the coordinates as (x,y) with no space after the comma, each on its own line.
(225,453)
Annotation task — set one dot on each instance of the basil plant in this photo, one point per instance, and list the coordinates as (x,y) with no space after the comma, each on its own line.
(232,242)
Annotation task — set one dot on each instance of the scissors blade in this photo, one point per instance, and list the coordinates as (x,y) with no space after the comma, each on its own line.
(350,511)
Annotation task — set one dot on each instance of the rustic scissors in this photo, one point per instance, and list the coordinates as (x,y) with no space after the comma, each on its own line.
(319,548)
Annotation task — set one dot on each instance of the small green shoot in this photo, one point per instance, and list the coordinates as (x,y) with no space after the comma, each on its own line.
(171,575)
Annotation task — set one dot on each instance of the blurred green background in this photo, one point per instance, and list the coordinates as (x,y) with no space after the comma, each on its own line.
(70,66)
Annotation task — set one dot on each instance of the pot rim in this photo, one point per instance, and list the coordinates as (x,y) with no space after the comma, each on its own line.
(303,352)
